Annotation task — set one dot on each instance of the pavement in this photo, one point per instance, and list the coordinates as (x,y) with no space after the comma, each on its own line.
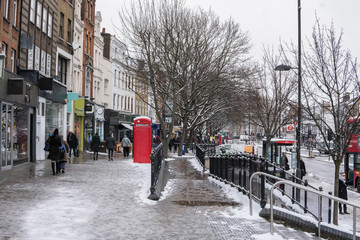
(108,200)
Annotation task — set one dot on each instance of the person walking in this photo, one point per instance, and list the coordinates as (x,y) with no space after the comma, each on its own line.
(343,195)
(95,145)
(73,142)
(110,145)
(126,144)
(302,168)
(63,159)
(54,153)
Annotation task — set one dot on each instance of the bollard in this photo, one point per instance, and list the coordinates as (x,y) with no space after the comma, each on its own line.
(282,186)
(262,186)
(305,196)
(293,189)
(240,169)
(329,216)
(233,169)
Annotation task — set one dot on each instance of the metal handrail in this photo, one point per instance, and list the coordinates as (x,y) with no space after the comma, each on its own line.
(320,195)
(250,188)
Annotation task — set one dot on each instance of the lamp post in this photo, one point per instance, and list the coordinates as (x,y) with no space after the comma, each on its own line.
(287,68)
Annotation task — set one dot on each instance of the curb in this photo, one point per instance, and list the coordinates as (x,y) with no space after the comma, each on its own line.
(295,222)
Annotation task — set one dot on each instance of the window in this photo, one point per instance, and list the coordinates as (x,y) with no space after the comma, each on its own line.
(38,15)
(69,31)
(37,58)
(32,11)
(50,26)
(106,83)
(43,61)
(31,58)
(44,27)
(115,78)
(12,60)
(4,51)
(48,64)
(6,9)
(15,13)
(61,26)
(62,69)
(114,101)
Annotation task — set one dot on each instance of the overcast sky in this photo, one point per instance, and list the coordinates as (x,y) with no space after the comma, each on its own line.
(267,21)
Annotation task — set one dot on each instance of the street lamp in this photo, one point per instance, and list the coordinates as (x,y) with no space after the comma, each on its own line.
(287,68)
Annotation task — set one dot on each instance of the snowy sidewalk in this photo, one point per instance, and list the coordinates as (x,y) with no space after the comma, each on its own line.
(108,200)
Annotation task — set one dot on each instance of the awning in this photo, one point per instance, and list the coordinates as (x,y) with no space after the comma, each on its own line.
(128,126)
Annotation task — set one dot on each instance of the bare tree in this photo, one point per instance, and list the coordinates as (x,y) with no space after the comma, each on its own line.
(187,55)
(330,76)
(271,96)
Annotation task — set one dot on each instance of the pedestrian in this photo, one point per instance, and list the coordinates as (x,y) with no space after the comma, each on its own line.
(110,145)
(176,143)
(284,162)
(343,195)
(302,168)
(73,142)
(54,153)
(63,158)
(95,145)
(171,143)
(126,144)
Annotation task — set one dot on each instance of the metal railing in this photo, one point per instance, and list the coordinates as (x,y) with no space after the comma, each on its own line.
(156,161)
(320,196)
(237,170)
(203,150)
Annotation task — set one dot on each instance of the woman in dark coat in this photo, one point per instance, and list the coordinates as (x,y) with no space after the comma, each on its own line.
(110,145)
(73,142)
(54,153)
(95,145)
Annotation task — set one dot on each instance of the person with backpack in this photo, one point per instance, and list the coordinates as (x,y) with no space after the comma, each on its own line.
(64,150)
(95,145)
(54,153)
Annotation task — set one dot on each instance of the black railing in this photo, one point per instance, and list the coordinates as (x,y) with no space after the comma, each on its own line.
(203,150)
(156,161)
(237,170)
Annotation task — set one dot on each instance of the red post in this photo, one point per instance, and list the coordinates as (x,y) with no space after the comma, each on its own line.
(142,140)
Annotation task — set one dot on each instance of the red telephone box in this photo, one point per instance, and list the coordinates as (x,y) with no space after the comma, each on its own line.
(142,140)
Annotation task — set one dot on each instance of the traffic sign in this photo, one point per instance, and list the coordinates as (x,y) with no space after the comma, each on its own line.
(295,123)
(290,128)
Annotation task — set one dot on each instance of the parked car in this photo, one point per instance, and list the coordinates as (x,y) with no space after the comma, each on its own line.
(323,149)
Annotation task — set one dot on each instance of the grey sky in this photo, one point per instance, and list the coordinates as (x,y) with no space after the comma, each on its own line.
(269,20)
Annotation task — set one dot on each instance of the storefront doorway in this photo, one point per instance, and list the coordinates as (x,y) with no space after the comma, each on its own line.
(7,113)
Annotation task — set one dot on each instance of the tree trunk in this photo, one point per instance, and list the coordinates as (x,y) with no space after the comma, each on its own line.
(336,192)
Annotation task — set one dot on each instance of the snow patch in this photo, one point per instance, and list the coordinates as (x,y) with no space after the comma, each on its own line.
(267,236)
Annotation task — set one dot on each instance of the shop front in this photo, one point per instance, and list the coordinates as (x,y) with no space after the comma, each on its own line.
(18,102)
(79,114)
(118,124)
